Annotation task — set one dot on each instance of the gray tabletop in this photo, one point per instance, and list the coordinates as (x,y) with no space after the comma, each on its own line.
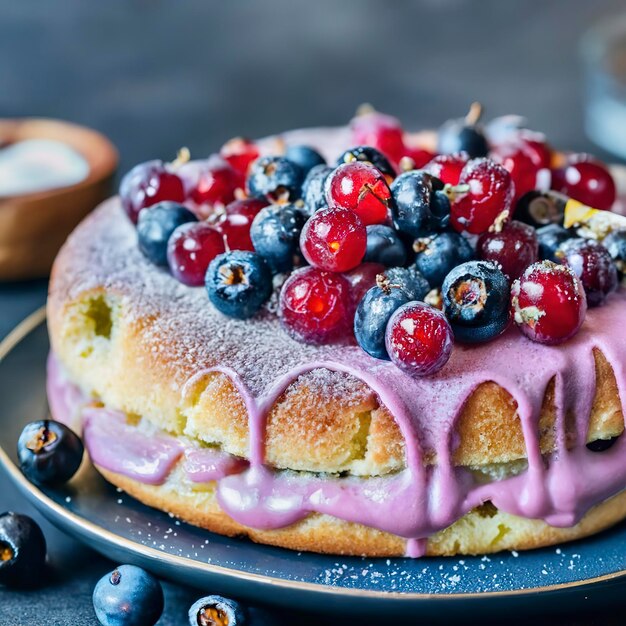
(156,75)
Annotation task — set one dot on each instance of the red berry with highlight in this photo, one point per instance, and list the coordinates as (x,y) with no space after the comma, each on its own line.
(363,277)
(334,239)
(216,183)
(235,222)
(587,181)
(447,167)
(381,131)
(239,153)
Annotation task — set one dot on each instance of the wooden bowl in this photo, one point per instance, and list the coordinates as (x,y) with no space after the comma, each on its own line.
(33,226)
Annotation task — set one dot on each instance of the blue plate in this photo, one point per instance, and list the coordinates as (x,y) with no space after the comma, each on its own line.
(584,573)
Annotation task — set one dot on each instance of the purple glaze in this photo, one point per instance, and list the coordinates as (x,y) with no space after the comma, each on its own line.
(65,399)
(203,465)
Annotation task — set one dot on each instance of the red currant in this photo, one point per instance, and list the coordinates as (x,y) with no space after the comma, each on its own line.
(419,339)
(587,181)
(514,248)
(334,239)
(380,131)
(490,194)
(236,220)
(363,278)
(190,249)
(419,157)
(216,183)
(149,183)
(520,164)
(362,188)
(548,303)
(447,167)
(317,306)
(534,144)
(239,153)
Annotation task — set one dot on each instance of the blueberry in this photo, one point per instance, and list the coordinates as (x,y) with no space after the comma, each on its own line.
(550,237)
(275,233)
(217,611)
(615,243)
(305,157)
(49,452)
(476,301)
(313,187)
(438,255)
(384,246)
(539,208)
(275,178)
(238,283)
(409,280)
(155,226)
(419,207)
(369,155)
(372,315)
(463,135)
(128,596)
(22,551)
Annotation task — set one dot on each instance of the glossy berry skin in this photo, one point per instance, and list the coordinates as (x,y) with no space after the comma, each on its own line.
(550,237)
(514,248)
(334,239)
(275,233)
(361,188)
(362,278)
(587,181)
(373,314)
(476,301)
(128,596)
(190,250)
(490,194)
(275,178)
(149,183)
(155,227)
(409,280)
(548,303)
(239,283)
(313,188)
(419,208)
(418,339)
(380,131)
(216,183)
(316,306)
(217,611)
(447,167)
(240,153)
(384,246)
(519,162)
(235,221)
(305,157)
(438,255)
(22,551)
(370,155)
(419,157)
(615,243)
(592,263)
(49,452)
(459,136)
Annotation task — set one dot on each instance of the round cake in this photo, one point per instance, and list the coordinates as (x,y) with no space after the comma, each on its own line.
(241,427)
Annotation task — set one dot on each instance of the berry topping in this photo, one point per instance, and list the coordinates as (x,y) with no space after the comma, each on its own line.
(215,183)
(22,551)
(370,155)
(408,279)
(239,153)
(615,243)
(587,181)
(361,188)
(49,452)
(128,596)
(190,250)
(384,246)
(476,301)
(548,302)
(550,237)
(438,255)
(488,196)
(464,135)
(415,158)
(156,226)
(317,306)
(419,207)
(447,167)
(514,248)
(275,234)
(149,183)
(372,316)
(217,611)
(275,178)
(305,157)
(592,263)
(520,163)
(362,278)
(541,208)
(313,188)
(334,239)
(383,132)
(418,339)
(238,283)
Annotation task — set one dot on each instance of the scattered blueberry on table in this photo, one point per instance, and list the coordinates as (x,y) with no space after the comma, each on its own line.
(217,611)
(22,551)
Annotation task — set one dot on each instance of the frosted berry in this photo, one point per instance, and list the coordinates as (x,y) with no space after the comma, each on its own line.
(447,167)
(439,254)
(464,135)
(548,303)
(385,246)
(550,237)
(216,183)
(362,278)
(275,178)
(513,248)
(520,164)
(313,188)
(380,131)
(370,155)
(587,181)
(305,157)
(239,153)
(408,279)
(615,243)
